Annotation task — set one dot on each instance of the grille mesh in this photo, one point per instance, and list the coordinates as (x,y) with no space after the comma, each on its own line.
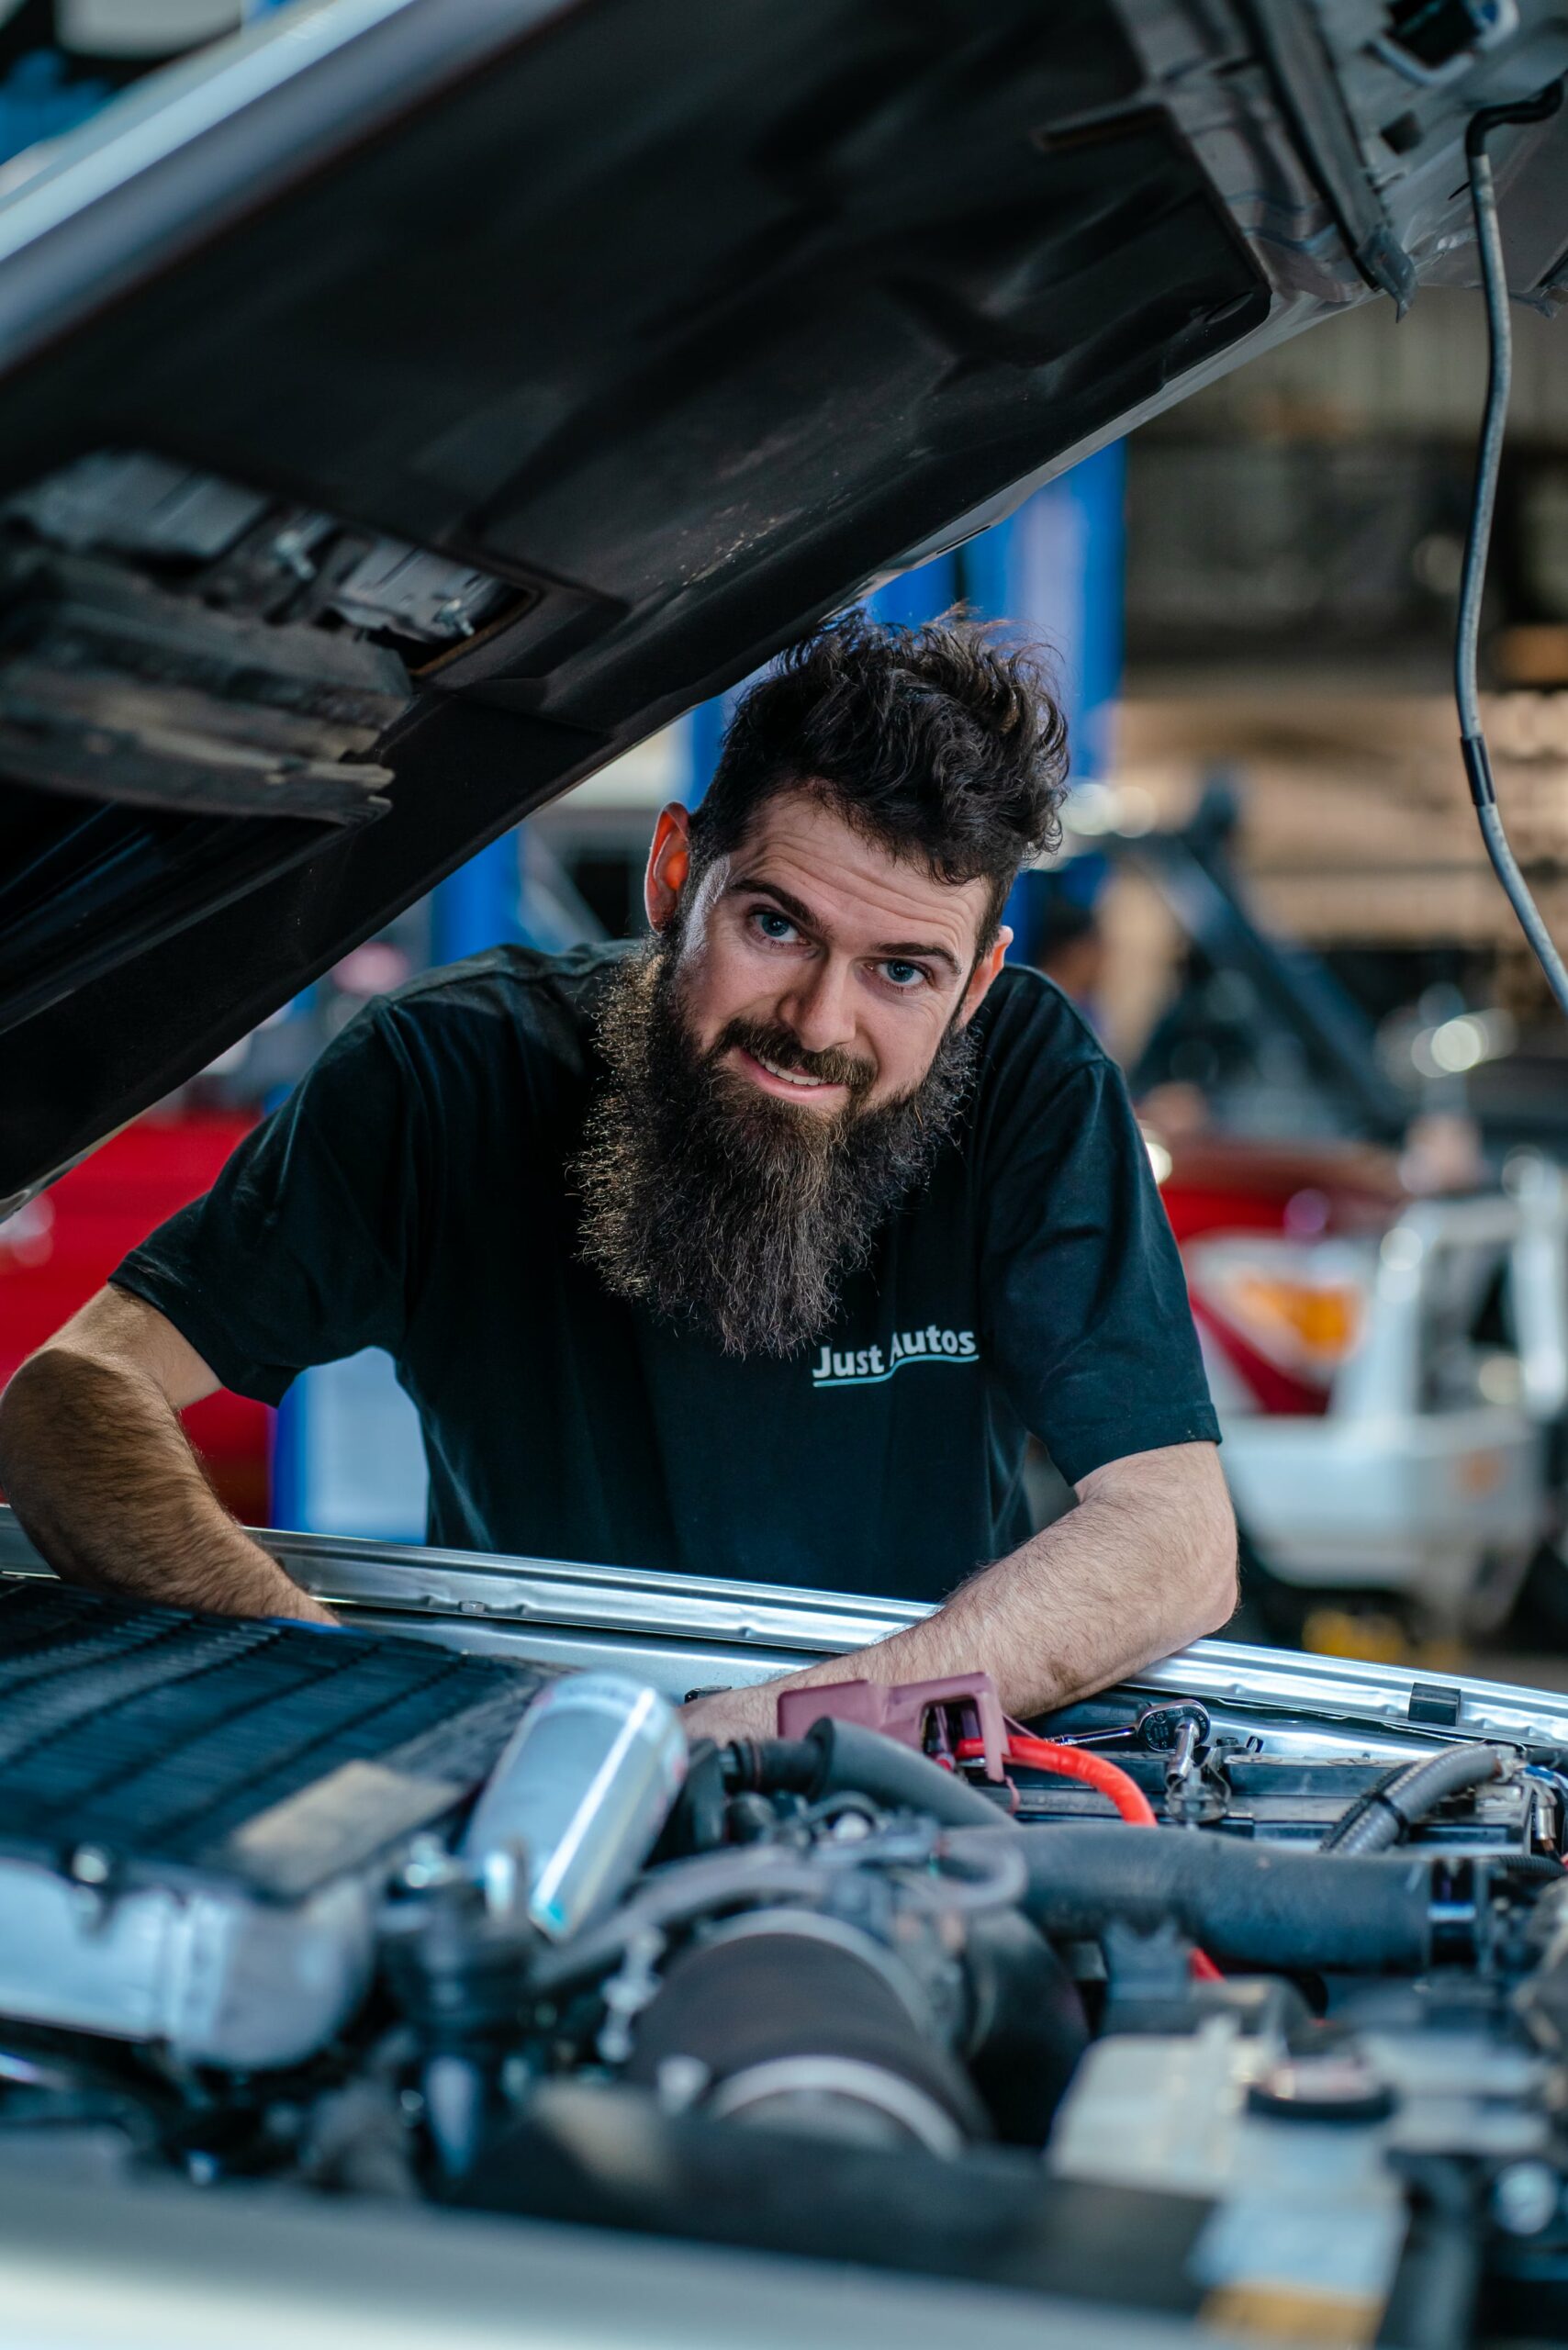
(156,1735)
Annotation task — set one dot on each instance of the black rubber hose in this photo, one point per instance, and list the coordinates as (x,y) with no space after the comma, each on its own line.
(1385,1815)
(1247,1905)
(1532,1865)
(853,1758)
(845,1758)
(771,1766)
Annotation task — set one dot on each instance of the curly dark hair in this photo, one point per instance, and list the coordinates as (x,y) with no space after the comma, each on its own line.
(944,744)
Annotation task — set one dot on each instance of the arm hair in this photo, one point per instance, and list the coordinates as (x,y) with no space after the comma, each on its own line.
(102,1476)
(1144,1564)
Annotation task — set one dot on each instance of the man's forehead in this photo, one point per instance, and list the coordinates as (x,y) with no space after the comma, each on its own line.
(801,843)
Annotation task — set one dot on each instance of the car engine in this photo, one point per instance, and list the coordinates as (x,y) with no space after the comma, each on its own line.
(1264,2027)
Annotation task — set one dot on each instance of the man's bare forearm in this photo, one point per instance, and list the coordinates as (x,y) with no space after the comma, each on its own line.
(1096,1625)
(96,1465)
(1145,1563)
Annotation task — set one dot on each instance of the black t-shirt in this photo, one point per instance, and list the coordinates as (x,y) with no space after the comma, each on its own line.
(410,1194)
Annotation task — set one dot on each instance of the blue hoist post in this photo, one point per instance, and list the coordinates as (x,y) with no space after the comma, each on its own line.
(1056,568)
(478,906)
(347,1456)
(914,595)
(924,593)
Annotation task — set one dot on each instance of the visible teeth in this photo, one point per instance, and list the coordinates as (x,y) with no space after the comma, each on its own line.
(790,1076)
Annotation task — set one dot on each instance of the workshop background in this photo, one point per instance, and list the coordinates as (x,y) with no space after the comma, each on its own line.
(1271,902)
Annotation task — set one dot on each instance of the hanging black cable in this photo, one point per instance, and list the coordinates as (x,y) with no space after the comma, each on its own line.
(1473,740)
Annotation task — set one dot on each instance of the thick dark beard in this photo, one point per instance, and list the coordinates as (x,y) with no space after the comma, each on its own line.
(715,1204)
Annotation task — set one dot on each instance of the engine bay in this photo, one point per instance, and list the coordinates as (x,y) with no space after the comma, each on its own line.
(1163,2004)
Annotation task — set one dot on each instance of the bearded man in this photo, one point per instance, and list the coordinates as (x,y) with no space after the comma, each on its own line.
(757,1250)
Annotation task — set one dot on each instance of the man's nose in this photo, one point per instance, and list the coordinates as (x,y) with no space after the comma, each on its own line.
(817,1011)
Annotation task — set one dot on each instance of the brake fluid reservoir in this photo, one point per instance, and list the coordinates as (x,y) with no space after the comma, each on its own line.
(583,1786)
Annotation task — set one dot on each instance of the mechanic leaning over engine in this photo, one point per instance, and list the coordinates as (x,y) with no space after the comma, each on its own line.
(754,1250)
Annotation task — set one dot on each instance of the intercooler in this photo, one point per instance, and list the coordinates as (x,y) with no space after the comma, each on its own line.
(197,1815)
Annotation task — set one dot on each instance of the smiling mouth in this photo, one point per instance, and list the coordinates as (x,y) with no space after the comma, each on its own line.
(793,1077)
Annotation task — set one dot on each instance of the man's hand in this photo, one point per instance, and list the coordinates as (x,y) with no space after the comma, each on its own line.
(1144,1564)
(97,1468)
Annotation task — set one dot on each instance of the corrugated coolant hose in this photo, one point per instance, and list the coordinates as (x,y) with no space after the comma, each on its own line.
(1382,1817)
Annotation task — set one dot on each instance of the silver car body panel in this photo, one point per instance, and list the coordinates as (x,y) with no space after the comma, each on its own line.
(683,1632)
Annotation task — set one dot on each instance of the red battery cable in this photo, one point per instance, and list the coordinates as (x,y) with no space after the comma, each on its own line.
(1079,1762)
(1117,1786)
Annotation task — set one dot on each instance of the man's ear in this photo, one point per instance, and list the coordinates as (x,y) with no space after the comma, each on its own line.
(669,862)
(980,978)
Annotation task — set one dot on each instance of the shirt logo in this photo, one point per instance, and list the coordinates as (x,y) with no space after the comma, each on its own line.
(869,1366)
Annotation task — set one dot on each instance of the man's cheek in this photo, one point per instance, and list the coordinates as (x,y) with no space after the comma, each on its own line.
(703,1003)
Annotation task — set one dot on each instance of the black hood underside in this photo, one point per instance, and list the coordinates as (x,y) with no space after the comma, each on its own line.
(510,380)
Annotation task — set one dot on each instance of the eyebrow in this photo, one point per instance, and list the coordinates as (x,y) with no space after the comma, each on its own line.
(901,950)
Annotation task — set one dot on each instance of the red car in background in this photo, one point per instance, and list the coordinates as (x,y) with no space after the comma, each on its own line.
(63,1245)
(1279,1317)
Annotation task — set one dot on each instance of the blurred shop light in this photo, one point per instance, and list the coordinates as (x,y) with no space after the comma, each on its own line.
(372,968)
(1401,1250)
(1307,1214)
(27,1238)
(1500,1378)
(1437,560)
(1455,1047)
(1095,809)
(1159,1156)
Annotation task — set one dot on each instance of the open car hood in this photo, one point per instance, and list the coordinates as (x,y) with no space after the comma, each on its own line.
(409,405)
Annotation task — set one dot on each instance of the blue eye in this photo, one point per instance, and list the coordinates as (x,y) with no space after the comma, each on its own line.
(773,926)
(903,975)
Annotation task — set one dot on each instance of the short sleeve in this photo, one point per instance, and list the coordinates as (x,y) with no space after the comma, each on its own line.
(1091,1329)
(305,1248)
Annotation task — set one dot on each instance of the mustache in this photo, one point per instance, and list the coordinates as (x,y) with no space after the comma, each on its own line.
(765,1040)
